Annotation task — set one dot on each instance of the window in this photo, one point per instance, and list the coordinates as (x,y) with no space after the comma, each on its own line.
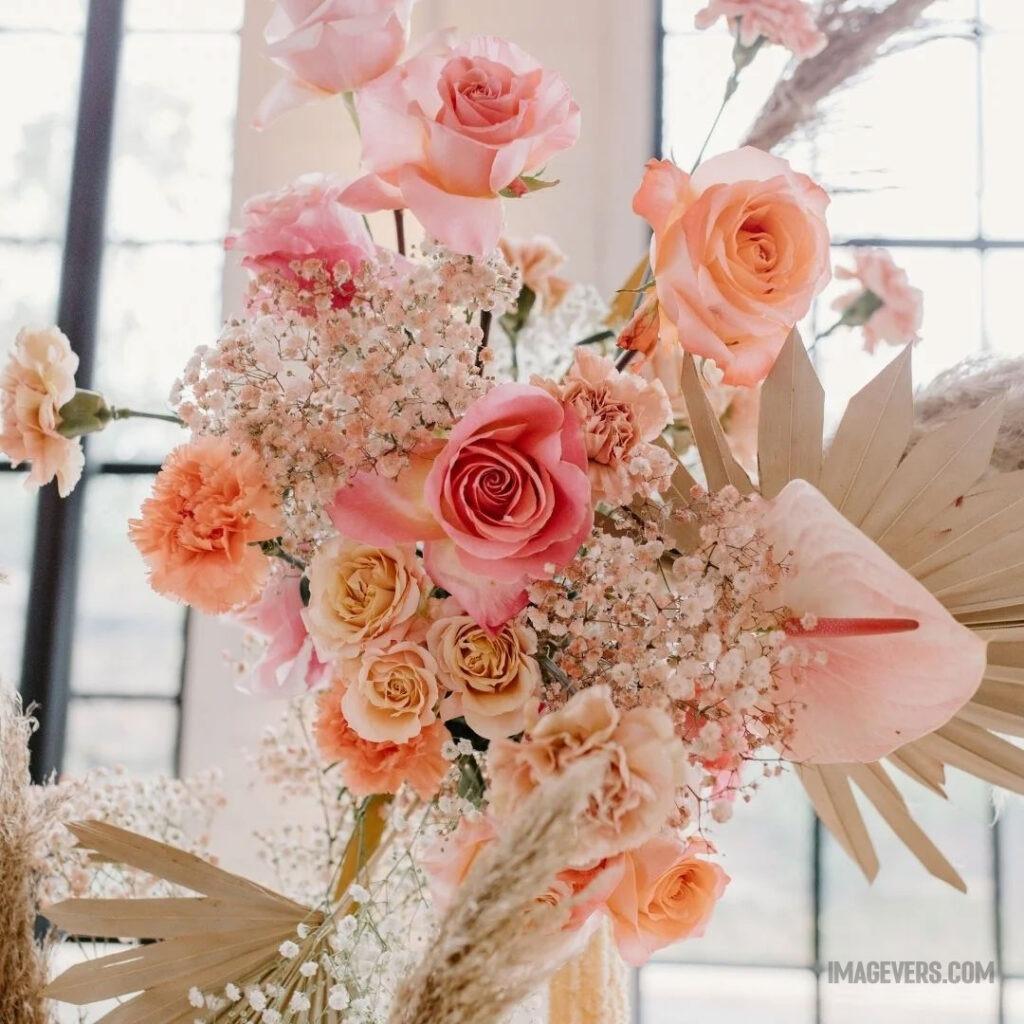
(161,78)
(919,157)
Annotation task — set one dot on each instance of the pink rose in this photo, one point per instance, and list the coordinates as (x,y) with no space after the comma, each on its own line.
(38,379)
(637,794)
(444,135)
(666,893)
(621,413)
(788,23)
(504,502)
(331,46)
(895,311)
(740,249)
(303,221)
(289,666)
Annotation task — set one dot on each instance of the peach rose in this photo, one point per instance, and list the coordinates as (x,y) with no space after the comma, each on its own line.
(537,259)
(504,502)
(740,249)
(38,379)
(666,893)
(492,676)
(199,532)
(368,767)
(621,413)
(887,305)
(445,135)
(360,595)
(331,46)
(449,859)
(788,23)
(645,765)
(392,692)
(303,221)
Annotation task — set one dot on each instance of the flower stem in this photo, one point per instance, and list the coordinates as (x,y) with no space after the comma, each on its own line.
(135,414)
(400,231)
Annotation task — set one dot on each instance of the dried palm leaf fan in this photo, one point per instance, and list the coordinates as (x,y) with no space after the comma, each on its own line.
(938,513)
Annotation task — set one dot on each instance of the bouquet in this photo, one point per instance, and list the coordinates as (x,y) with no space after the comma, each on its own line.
(552,584)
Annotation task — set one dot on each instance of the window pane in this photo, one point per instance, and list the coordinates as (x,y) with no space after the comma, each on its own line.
(950,280)
(174,137)
(1004,272)
(55,15)
(17,525)
(906,914)
(1014,1006)
(185,15)
(139,736)
(29,282)
(39,79)
(725,995)
(158,303)
(1004,150)
(910,1004)
(766,915)
(128,639)
(1011,829)
(1003,16)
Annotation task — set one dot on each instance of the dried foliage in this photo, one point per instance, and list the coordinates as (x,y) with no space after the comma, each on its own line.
(499,941)
(856,36)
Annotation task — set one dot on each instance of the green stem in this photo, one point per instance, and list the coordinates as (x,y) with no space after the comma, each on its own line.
(135,414)
(730,88)
(593,339)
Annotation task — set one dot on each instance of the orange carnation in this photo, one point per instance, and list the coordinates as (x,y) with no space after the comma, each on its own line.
(369,767)
(210,506)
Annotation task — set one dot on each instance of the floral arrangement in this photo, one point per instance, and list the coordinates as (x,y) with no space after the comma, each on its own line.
(552,584)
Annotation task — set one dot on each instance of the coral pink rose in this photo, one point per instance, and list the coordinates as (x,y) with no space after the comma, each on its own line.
(788,23)
(289,666)
(493,676)
(893,308)
(199,532)
(449,859)
(445,135)
(874,690)
(391,692)
(666,893)
(740,249)
(38,379)
(621,413)
(644,767)
(331,46)
(303,221)
(368,767)
(504,502)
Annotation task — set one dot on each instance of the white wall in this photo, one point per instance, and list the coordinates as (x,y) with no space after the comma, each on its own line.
(606,51)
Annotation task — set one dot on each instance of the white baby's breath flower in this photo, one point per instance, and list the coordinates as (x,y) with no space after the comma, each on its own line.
(195,998)
(337,998)
(288,950)
(232,992)
(308,969)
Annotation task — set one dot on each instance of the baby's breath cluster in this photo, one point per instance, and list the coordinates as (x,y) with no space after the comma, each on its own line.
(321,393)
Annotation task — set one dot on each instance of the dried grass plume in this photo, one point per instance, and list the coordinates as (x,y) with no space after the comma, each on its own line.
(497,942)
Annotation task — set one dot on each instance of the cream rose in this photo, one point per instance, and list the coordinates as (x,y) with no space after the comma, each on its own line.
(38,379)
(392,694)
(644,767)
(360,594)
(492,676)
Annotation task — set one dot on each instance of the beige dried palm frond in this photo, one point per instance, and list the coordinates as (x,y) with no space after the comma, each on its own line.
(497,942)
(938,512)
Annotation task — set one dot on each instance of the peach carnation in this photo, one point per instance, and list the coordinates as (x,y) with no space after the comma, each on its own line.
(645,764)
(620,413)
(360,594)
(199,531)
(368,767)
(40,378)
(788,23)
(885,302)
(537,259)
(492,675)
(666,892)
(449,859)
(393,692)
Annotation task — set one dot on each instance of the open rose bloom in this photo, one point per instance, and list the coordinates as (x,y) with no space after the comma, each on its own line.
(445,135)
